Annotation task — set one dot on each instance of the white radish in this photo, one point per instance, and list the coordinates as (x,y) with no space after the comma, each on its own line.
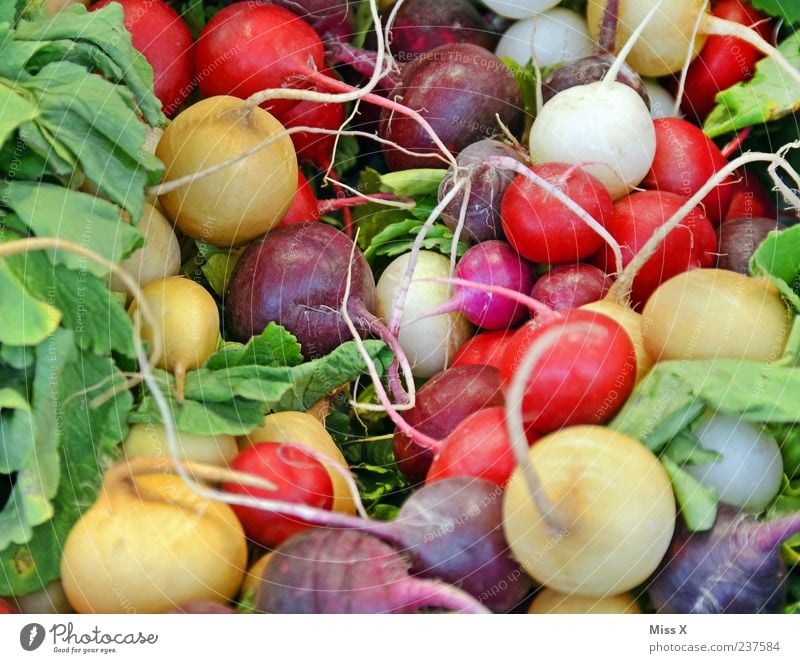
(662,103)
(557,36)
(519,8)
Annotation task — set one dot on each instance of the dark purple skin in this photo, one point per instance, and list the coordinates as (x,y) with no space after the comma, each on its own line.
(487,185)
(347,572)
(735,567)
(738,239)
(296,276)
(329,18)
(441,404)
(591,69)
(203,607)
(458,89)
(422,25)
(571,286)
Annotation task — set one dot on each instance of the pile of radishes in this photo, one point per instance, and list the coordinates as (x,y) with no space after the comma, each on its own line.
(601,242)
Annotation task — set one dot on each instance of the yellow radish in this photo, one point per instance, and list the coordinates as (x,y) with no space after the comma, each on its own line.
(151,440)
(551,602)
(252,579)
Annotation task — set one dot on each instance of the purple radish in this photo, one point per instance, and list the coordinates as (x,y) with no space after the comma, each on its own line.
(493,263)
(571,286)
(346,572)
(460,90)
(488,183)
(442,403)
(451,531)
(738,239)
(329,19)
(735,567)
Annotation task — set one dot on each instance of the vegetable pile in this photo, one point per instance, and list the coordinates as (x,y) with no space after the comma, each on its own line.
(466,306)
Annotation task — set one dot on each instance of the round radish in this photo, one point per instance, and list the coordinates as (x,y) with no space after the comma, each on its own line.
(662,103)
(550,602)
(484,349)
(519,8)
(591,69)
(571,286)
(556,36)
(739,238)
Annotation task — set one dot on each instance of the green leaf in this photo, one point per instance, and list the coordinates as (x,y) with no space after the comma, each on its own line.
(413,183)
(363,23)
(398,239)
(778,258)
(275,347)
(218,269)
(24,319)
(16,110)
(769,95)
(347,151)
(685,449)
(697,503)
(786,9)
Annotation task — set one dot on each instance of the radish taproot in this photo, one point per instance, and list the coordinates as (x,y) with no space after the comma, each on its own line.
(344,572)
(242,200)
(715,313)
(736,567)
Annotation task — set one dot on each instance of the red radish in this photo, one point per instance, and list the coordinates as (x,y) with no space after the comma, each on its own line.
(692,244)
(6,608)
(477,447)
(492,263)
(685,159)
(571,286)
(543,229)
(484,349)
(583,378)
(460,89)
(299,477)
(441,404)
(163,37)
(749,198)
(329,19)
(724,60)
(305,206)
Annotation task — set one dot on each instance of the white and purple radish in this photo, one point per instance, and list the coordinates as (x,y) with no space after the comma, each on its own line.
(749,471)
(488,184)
(493,263)
(328,571)
(736,567)
(428,343)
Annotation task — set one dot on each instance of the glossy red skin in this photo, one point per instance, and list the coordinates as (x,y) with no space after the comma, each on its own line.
(6,608)
(300,478)
(585,377)
(749,198)
(305,206)
(571,286)
(484,349)
(723,61)
(685,160)
(478,447)
(544,230)
(249,47)
(637,217)
(163,37)
(441,404)
(314,148)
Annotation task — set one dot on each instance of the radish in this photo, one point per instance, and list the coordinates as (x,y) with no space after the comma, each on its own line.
(662,103)
(442,403)
(477,447)
(715,313)
(484,349)
(735,567)
(151,440)
(335,20)
(241,200)
(164,39)
(739,238)
(749,198)
(571,286)
(685,160)
(550,38)
(461,89)
(428,343)
(584,378)
(343,572)
(488,184)
(543,229)
(548,601)
(298,477)
(493,263)
(519,8)
(750,471)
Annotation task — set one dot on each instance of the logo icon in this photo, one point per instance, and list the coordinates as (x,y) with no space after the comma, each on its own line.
(31,636)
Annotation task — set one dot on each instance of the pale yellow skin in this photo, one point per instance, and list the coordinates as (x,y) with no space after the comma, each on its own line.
(663,46)
(252,579)
(189,323)
(149,544)
(151,440)
(616,501)
(550,602)
(55,6)
(303,428)
(715,313)
(631,322)
(160,256)
(430,343)
(242,201)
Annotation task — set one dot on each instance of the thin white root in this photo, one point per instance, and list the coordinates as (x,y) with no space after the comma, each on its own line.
(521,169)
(676,108)
(515,395)
(713,25)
